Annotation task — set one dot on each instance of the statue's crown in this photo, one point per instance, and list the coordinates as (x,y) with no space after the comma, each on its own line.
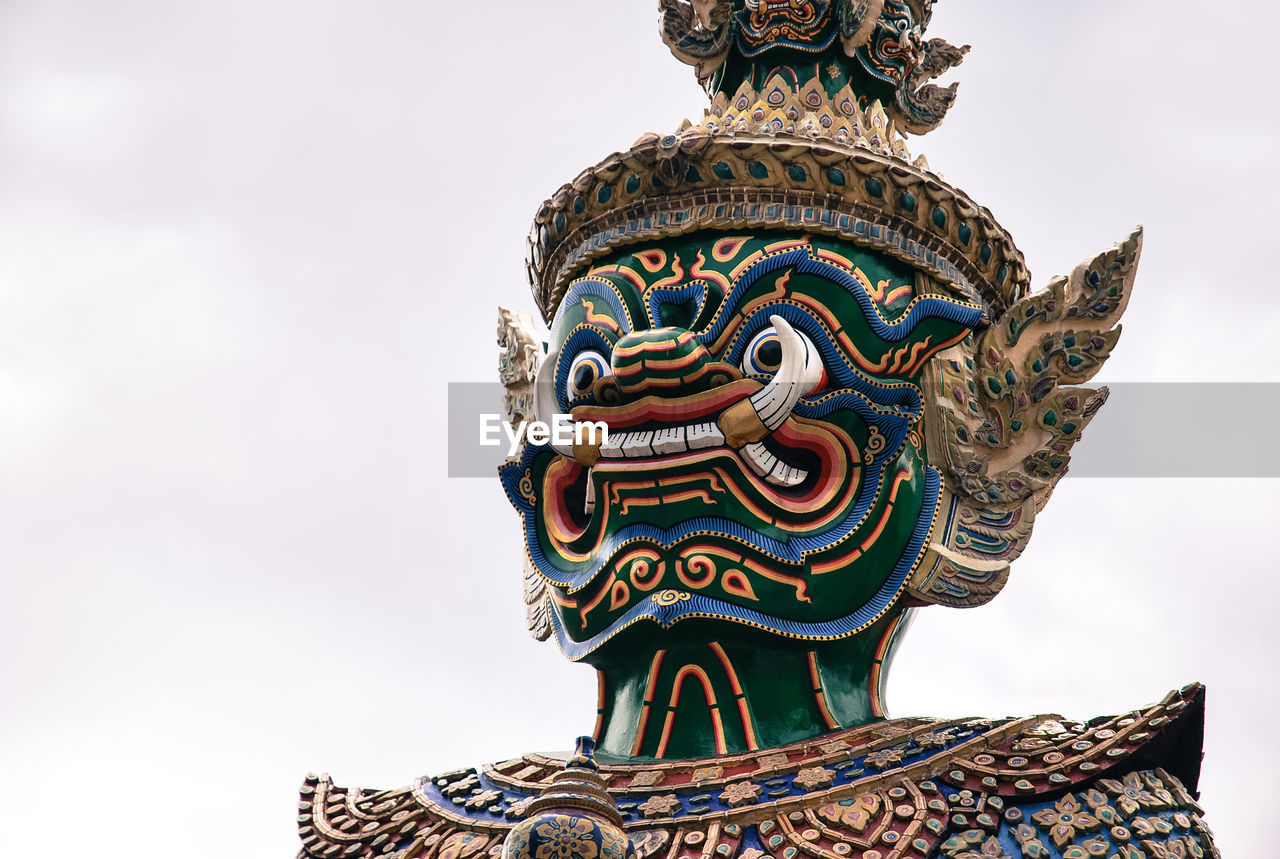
(810,104)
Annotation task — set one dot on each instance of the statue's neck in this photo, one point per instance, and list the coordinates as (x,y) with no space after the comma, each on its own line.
(723,697)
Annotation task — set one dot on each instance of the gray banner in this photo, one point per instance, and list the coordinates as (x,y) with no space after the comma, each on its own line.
(1180,429)
(1146,429)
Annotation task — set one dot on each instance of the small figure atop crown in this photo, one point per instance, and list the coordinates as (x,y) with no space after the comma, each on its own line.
(874,49)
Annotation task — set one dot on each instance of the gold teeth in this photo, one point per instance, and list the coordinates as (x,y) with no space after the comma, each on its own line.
(782,109)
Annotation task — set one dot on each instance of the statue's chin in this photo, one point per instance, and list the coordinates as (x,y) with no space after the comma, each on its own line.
(668,610)
(823,585)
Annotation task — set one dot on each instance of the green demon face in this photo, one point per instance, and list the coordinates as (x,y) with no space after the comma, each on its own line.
(894,49)
(763,465)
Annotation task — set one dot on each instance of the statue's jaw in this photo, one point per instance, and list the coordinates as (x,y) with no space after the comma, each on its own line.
(823,583)
(663,610)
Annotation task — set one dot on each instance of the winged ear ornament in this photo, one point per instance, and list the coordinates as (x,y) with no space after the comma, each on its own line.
(698,32)
(518,365)
(517,362)
(537,609)
(1005,417)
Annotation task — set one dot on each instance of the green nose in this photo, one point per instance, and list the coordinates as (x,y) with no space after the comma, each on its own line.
(662,361)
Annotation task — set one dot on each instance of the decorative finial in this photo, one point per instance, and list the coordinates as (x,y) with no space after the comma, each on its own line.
(573,818)
(584,755)
(873,48)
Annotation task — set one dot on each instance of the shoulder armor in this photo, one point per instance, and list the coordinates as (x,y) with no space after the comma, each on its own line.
(963,788)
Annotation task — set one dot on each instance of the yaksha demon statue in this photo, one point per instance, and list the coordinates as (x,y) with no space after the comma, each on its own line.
(810,392)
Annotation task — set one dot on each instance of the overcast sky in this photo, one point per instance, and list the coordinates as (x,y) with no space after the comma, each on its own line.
(244,245)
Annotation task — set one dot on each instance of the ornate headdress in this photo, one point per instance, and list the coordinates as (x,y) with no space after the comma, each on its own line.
(810,99)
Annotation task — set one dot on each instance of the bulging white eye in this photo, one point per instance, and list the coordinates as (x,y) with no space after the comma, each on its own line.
(763,355)
(588,367)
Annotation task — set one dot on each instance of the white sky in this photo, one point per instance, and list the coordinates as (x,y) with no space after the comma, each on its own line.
(245,245)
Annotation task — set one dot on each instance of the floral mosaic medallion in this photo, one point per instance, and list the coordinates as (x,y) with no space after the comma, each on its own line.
(564,837)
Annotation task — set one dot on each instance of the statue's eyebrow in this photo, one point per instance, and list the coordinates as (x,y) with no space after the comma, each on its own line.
(599,286)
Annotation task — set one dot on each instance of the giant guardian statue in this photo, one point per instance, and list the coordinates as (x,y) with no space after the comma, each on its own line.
(810,391)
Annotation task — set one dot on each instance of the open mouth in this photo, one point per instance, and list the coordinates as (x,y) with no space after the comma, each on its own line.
(796,478)
(652,444)
(801,11)
(906,50)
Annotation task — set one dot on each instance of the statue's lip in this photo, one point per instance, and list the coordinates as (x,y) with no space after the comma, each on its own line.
(669,410)
(812,508)
(832,454)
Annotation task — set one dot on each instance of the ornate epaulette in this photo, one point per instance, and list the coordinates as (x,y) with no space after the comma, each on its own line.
(964,788)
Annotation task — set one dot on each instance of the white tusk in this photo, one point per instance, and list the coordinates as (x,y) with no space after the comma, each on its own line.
(545,404)
(800,370)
